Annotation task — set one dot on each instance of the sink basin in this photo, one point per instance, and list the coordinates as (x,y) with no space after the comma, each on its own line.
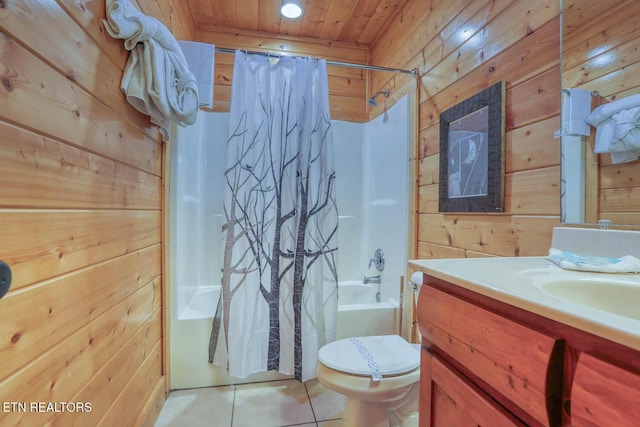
(617,297)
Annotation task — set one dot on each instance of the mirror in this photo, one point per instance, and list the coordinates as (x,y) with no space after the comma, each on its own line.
(599,54)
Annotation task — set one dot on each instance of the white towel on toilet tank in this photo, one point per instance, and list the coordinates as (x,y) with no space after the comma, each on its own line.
(156,79)
(617,125)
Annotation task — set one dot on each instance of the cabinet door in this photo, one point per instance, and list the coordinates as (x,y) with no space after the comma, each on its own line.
(604,395)
(521,364)
(447,399)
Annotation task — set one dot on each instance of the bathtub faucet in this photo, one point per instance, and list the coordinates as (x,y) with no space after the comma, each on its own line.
(373,279)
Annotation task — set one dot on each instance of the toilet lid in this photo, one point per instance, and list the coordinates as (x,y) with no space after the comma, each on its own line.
(392,354)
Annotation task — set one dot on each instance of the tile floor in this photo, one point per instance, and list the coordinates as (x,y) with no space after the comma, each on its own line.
(267,404)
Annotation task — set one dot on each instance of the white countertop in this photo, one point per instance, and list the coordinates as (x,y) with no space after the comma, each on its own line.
(521,281)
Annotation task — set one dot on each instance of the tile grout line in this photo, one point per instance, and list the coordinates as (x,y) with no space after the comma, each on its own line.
(306,390)
(233,406)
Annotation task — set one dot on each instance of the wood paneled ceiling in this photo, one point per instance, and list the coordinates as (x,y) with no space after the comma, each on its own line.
(347,21)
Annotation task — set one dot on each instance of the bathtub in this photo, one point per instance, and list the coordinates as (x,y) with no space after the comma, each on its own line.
(360,315)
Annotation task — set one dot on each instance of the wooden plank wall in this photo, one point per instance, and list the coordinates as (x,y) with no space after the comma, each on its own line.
(460,48)
(347,86)
(81,189)
(80,220)
(600,52)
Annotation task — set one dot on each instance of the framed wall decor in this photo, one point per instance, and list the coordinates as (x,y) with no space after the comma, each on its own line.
(472,153)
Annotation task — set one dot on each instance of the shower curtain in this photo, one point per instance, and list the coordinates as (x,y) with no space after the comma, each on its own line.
(280,221)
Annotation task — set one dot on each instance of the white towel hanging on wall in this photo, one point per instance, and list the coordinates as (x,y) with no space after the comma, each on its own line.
(201,61)
(618,128)
(156,79)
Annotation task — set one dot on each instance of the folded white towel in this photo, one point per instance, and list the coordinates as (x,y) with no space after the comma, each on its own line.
(201,60)
(605,111)
(619,133)
(628,128)
(617,126)
(624,156)
(156,79)
(571,261)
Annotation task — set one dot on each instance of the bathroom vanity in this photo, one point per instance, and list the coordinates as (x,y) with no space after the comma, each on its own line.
(519,341)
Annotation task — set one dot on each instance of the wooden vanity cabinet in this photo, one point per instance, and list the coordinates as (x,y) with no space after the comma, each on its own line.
(456,401)
(487,363)
(603,394)
(513,364)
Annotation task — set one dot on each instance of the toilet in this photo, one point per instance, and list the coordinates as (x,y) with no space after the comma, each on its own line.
(348,366)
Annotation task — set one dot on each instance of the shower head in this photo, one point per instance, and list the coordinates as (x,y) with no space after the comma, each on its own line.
(372,101)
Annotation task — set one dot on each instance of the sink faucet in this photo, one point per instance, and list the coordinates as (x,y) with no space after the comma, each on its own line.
(372,279)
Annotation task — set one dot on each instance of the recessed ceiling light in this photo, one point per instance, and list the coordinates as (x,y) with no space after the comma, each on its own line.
(290,9)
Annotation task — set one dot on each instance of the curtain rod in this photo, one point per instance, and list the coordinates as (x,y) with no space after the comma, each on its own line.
(413,72)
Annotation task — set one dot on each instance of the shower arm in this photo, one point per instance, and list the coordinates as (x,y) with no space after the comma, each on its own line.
(372,101)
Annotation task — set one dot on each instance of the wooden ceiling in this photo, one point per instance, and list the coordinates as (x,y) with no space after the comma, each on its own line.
(347,21)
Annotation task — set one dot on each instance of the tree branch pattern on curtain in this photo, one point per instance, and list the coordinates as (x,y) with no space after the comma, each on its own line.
(280,224)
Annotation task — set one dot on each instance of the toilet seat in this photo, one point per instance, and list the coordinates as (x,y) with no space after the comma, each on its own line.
(392,354)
